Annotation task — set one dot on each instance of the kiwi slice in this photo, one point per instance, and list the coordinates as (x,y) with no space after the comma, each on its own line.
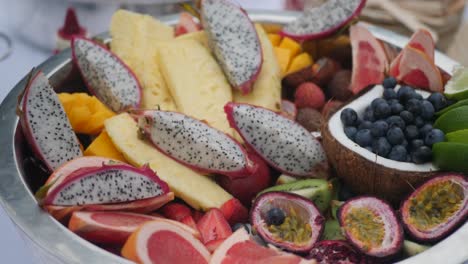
(332,231)
(411,248)
(317,190)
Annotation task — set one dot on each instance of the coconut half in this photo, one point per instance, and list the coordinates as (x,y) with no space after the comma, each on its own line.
(366,172)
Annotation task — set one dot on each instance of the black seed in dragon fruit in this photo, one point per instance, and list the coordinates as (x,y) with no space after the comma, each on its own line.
(324,20)
(280,141)
(105,75)
(234,40)
(194,143)
(106,184)
(45,124)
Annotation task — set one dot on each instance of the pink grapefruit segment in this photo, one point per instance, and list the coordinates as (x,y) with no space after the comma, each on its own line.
(164,242)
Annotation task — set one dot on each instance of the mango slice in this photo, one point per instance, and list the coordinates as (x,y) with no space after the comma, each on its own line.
(102,146)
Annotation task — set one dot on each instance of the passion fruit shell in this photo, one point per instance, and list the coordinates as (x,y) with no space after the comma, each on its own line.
(302,226)
(436,208)
(371,226)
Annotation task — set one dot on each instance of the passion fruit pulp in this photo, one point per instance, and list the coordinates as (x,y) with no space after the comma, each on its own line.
(436,208)
(335,251)
(287,220)
(371,226)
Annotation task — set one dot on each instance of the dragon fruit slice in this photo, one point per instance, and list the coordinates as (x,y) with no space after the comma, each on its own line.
(45,124)
(281,142)
(105,75)
(194,143)
(234,41)
(106,184)
(323,20)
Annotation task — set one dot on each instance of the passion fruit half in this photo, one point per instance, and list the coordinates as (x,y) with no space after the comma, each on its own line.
(371,226)
(287,220)
(436,208)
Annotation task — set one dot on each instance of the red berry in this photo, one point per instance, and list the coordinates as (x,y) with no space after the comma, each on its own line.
(309,95)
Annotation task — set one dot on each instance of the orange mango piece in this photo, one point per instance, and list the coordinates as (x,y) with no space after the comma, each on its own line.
(300,62)
(291,45)
(96,123)
(78,116)
(275,39)
(284,58)
(102,146)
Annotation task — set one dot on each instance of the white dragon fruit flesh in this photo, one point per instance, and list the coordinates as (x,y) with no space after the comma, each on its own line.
(105,75)
(45,125)
(234,40)
(280,141)
(106,184)
(194,143)
(324,20)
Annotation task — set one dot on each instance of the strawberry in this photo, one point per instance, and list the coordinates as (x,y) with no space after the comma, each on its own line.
(197,215)
(214,244)
(186,24)
(310,95)
(188,220)
(234,211)
(176,211)
(213,226)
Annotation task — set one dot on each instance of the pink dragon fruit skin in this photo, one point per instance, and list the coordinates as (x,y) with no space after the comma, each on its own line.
(281,142)
(106,184)
(106,75)
(194,143)
(234,40)
(323,20)
(46,126)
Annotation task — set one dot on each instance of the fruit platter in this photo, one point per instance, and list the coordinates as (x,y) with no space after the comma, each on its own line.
(224,136)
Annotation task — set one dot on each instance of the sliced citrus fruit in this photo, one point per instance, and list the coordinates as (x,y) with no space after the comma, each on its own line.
(451,156)
(164,242)
(453,120)
(460,136)
(455,105)
(457,87)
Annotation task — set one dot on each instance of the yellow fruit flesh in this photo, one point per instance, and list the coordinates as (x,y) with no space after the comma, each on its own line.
(102,146)
(196,82)
(134,40)
(198,36)
(294,229)
(275,39)
(365,226)
(291,45)
(197,190)
(300,62)
(283,57)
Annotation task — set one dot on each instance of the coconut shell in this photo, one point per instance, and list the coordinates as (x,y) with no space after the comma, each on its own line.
(367,177)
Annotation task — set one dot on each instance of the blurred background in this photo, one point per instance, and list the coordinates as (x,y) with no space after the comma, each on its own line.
(29,34)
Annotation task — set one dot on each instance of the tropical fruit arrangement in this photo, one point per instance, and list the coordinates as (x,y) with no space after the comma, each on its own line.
(224,141)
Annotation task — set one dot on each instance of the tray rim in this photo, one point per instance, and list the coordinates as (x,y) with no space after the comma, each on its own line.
(56,240)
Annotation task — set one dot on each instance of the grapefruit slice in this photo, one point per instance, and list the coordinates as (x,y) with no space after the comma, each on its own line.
(417,69)
(113,227)
(240,248)
(164,242)
(369,59)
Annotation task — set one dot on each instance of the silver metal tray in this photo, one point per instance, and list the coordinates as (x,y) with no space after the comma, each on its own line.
(51,242)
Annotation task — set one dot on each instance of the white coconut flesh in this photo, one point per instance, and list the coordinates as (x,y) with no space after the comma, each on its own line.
(336,129)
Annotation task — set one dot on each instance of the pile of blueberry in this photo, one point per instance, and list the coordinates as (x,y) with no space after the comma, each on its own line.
(397,126)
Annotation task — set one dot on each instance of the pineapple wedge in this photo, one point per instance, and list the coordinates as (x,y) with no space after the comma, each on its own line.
(133,40)
(196,82)
(198,36)
(267,88)
(197,190)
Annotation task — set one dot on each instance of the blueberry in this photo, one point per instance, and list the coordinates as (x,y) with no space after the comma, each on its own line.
(407,116)
(395,135)
(427,110)
(424,130)
(389,82)
(369,114)
(396,121)
(389,94)
(416,143)
(397,108)
(377,101)
(414,106)
(365,125)
(416,96)
(381,147)
(275,216)
(350,132)
(434,136)
(349,117)
(405,93)
(422,154)
(398,153)
(363,138)
(404,143)
(382,110)
(379,128)
(437,100)
(418,121)
(411,132)
(393,101)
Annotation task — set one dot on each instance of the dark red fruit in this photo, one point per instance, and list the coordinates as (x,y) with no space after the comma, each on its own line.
(310,95)
(309,118)
(213,226)
(176,211)
(335,251)
(338,87)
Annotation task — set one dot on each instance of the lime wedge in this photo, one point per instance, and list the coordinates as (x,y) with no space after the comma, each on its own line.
(460,136)
(457,87)
(451,156)
(455,105)
(453,120)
